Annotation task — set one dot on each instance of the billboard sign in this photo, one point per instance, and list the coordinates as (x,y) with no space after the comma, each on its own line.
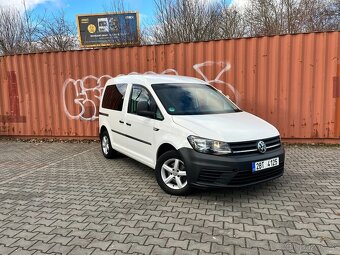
(108,29)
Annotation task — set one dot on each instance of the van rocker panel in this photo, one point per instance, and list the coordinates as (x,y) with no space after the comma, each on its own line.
(206,170)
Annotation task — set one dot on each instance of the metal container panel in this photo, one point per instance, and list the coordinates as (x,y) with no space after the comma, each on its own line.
(292,81)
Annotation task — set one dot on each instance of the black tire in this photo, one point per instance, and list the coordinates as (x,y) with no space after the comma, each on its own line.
(172,187)
(107,151)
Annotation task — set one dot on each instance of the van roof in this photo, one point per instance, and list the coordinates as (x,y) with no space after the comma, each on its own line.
(154,79)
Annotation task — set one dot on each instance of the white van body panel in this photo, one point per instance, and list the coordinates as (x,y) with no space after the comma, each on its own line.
(228,127)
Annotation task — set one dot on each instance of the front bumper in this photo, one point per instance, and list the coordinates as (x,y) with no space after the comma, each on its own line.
(205,170)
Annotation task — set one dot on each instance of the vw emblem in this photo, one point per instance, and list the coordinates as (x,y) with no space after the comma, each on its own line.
(261,147)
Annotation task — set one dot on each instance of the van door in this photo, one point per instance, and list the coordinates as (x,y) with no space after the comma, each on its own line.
(113,102)
(140,129)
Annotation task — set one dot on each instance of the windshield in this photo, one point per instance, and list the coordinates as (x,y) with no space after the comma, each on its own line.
(192,99)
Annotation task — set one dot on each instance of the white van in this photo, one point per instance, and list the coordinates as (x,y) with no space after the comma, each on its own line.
(189,132)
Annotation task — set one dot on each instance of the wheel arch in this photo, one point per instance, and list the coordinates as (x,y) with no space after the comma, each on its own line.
(102,129)
(165,147)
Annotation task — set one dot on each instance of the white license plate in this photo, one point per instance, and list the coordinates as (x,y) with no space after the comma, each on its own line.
(269,163)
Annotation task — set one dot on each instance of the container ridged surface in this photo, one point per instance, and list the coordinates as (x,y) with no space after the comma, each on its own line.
(292,81)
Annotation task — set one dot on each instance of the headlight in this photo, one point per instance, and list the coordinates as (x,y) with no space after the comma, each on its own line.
(209,146)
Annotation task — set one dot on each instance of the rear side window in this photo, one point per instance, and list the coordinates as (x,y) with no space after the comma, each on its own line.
(114,96)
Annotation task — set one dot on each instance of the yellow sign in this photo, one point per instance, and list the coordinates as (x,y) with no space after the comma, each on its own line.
(91,28)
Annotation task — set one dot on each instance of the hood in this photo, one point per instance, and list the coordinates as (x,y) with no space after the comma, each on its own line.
(227,127)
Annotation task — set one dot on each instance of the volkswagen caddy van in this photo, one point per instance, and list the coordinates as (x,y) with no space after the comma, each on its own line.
(188,131)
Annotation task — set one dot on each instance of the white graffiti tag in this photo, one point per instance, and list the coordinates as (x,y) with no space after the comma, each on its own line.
(225,68)
(87,91)
(81,96)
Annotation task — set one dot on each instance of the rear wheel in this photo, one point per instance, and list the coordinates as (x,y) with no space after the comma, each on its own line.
(171,174)
(105,142)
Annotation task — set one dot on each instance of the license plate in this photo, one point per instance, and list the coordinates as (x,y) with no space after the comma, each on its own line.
(269,163)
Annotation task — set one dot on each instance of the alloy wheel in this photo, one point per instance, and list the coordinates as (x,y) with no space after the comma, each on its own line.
(173,173)
(105,145)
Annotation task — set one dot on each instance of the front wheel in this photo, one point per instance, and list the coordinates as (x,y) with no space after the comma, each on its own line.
(171,174)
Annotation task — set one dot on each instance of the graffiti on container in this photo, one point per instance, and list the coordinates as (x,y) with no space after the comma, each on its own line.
(87,105)
(86,92)
(217,79)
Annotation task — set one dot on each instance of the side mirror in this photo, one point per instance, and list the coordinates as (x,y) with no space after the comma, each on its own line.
(142,110)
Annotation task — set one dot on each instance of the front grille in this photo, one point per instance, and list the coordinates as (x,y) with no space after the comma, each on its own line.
(211,176)
(251,146)
(248,177)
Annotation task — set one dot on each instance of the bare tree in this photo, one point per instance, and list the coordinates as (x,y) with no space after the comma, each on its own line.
(198,20)
(320,15)
(335,8)
(232,23)
(186,21)
(57,34)
(265,17)
(19,31)
(272,17)
(291,16)
(12,31)
(31,23)
(146,35)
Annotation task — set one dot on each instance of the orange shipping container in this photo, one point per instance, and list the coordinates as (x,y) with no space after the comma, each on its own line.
(292,81)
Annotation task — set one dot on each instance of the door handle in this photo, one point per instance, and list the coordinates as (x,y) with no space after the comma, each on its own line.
(128,124)
(121,121)
(155,129)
